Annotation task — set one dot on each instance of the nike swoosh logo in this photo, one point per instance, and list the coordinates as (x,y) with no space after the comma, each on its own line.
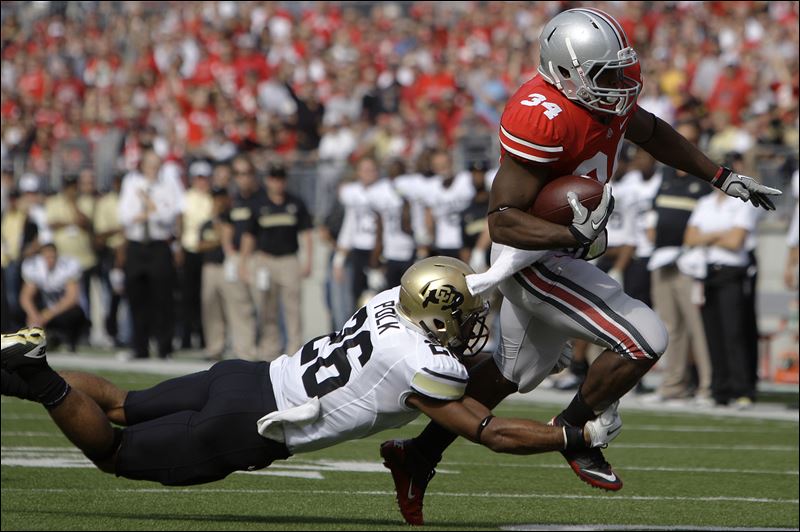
(596,226)
(410,495)
(610,432)
(611,478)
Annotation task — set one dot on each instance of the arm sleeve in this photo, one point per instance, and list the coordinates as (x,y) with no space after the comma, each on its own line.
(442,377)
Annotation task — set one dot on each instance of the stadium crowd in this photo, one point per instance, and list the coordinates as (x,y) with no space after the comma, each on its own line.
(180,154)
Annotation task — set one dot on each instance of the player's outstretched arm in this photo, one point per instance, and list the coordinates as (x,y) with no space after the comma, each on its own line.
(668,146)
(470,419)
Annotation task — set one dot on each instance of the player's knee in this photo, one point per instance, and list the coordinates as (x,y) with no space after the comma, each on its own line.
(646,340)
(656,336)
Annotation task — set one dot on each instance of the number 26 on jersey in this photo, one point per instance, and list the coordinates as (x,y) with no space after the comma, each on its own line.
(551,110)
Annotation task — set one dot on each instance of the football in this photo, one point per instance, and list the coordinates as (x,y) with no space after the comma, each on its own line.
(551,202)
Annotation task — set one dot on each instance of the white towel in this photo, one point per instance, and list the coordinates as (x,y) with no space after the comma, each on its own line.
(271,425)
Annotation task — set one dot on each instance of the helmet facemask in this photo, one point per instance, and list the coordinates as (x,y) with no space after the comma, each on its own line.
(584,82)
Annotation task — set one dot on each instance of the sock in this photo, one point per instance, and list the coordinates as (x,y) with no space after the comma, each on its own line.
(509,262)
(432,442)
(578,412)
(45,385)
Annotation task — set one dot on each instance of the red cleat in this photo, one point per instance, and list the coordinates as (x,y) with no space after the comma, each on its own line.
(410,475)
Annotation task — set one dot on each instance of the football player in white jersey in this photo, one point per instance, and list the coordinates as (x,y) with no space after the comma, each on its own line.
(397,357)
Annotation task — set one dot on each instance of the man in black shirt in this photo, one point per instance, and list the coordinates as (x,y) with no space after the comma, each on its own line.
(672,288)
(274,234)
(222,311)
(249,198)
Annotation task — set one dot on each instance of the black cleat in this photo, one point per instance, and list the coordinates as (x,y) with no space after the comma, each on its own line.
(25,347)
(590,465)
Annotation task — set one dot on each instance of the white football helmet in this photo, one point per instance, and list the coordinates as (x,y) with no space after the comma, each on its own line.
(584,53)
(435,301)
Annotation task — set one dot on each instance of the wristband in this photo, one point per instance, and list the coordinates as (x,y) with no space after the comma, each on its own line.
(720,177)
(482,426)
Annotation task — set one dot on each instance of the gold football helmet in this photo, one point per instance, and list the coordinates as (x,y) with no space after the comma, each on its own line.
(434,299)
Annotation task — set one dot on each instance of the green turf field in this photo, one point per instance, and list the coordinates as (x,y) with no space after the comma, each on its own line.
(679,470)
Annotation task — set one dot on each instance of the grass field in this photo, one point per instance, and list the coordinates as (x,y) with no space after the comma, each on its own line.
(679,471)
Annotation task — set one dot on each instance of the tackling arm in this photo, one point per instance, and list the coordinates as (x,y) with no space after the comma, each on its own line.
(502,435)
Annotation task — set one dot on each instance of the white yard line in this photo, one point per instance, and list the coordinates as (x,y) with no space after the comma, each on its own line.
(477,495)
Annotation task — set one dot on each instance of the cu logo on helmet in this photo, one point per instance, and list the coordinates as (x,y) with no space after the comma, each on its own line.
(447,296)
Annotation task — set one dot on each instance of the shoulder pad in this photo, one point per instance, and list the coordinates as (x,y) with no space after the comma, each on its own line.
(535,126)
(442,377)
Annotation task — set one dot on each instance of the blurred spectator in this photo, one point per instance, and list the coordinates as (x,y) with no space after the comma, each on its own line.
(721,225)
(110,245)
(476,243)
(239,299)
(196,211)
(222,315)
(50,295)
(642,180)
(148,210)
(70,220)
(20,239)
(275,232)
(672,289)
(394,239)
(792,257)
(357,236)
(447,198)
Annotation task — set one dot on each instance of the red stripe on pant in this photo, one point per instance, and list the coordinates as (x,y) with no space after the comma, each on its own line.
(588,311)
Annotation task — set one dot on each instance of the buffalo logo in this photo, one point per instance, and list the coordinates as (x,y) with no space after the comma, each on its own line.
(447,296)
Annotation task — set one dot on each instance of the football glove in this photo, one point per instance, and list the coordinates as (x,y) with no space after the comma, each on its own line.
(605,427)
(745,188)
(588,225)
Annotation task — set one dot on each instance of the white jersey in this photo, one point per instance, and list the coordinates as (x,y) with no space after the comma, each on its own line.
(620,225)
(447,205)
(51,283)
(358,227)
(414,187)
(362,376)
(388,201)
(642,194)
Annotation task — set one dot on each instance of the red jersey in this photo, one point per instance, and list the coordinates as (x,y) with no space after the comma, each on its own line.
(540,125)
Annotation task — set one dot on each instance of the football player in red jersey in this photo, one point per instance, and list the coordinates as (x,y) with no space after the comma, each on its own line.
(571,118)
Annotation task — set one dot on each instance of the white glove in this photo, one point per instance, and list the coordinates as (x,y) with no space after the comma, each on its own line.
(376,281)
(477,260)
(586,224)
(605,427)
(745,188)
(564,359)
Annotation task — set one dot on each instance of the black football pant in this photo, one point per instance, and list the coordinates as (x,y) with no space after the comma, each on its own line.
(201,427)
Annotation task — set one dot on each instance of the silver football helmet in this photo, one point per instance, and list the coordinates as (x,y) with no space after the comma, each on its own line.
(434,300)
(584,52)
